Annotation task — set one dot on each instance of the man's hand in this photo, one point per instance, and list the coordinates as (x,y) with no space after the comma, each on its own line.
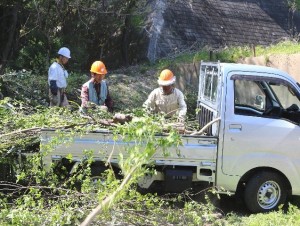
(102,108)
(92,105)
(121,118)
(181,119)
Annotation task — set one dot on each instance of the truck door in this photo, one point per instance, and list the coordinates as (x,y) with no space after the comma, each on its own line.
(261,126)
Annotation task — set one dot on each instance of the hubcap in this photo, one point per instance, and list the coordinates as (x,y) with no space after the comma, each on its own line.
(268,195)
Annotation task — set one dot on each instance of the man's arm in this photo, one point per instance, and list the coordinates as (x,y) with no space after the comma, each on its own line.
(53,87)
(109,102)
(149,104)
(52,78)
(181,106)
(84,96)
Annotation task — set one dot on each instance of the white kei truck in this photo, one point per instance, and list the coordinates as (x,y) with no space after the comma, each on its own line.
(252,149)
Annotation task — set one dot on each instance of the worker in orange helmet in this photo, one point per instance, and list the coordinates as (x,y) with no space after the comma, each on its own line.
(95,92)
(167,99)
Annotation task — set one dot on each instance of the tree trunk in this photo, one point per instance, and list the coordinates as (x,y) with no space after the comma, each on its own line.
(125,41)
(12,17)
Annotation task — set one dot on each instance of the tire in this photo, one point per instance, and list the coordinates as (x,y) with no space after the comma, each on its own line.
(96,172)
(265,191)
(7,172)
(97,169)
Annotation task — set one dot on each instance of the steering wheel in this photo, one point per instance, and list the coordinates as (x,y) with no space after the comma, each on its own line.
(293,107)
(273,111)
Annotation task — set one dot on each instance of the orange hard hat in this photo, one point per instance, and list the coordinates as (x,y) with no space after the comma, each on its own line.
(98,67)
(166,78)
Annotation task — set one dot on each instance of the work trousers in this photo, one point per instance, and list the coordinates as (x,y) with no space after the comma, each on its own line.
(59,100)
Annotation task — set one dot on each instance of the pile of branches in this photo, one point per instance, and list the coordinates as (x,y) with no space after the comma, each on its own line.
(24,86)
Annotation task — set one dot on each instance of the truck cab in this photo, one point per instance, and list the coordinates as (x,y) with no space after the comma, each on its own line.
(259,133)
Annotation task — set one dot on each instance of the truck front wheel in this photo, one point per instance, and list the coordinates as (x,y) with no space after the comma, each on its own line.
(265,191)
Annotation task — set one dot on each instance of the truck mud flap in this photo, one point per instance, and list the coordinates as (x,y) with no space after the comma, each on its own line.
(178,180)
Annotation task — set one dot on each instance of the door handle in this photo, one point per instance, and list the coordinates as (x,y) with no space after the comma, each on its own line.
(235,127)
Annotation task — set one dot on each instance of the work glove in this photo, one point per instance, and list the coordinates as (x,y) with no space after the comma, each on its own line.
(102,108)
(181,119)
(121,118)
(53,87)
(91,105)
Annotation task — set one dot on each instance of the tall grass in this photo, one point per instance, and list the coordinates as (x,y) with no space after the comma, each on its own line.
(233,54)
(297,3)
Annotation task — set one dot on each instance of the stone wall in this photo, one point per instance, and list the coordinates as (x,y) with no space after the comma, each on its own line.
(178,26)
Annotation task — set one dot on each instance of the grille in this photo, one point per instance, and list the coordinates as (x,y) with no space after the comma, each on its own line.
(205,116)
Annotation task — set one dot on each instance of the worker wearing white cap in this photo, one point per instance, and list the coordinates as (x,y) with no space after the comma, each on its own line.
(57,79)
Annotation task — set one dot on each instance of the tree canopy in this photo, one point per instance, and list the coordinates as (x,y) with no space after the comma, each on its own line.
(33,30)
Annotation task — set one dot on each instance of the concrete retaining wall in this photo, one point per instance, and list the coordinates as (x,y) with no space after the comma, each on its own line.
(289,63)
(187,74)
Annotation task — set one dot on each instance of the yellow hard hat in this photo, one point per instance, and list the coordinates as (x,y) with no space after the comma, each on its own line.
(166,78)
(98,67)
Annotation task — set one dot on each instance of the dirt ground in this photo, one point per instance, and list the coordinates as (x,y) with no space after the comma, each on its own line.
(131,89)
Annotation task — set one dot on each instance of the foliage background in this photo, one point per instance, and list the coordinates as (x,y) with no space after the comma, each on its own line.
(110,30)
(33,31)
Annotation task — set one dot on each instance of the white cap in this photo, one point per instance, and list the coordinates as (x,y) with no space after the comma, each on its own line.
(65,52)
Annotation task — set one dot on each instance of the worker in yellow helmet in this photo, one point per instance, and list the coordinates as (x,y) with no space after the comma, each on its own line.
(95,91)
(167,99)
